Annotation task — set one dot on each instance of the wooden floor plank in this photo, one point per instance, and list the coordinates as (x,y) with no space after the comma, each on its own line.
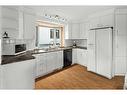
(77,77)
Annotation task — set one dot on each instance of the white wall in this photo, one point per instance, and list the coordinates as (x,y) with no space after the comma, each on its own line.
(79,42)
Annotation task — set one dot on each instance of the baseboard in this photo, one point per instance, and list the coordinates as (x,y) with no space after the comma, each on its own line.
(119,75)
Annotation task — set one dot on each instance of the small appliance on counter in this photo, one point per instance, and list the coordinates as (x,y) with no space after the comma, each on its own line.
(13,49)
(74,44)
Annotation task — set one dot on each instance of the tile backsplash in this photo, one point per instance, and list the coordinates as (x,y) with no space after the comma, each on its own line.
(79,42)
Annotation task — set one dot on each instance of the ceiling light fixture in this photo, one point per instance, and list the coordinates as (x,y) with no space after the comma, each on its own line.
(55,18)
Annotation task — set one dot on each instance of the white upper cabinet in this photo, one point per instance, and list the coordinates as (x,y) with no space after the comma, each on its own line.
(102,19)
(107,20)
(94,22)
(9,16)
(83,31)
(77,30)
(69,31)
(29,26)
(121,24)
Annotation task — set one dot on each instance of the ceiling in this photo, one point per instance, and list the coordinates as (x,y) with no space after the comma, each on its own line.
(71,12)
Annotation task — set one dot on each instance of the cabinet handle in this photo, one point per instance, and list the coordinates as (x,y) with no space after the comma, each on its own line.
(117,32)
(117,39)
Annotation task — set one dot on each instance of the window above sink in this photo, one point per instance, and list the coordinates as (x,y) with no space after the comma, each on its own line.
(48,37)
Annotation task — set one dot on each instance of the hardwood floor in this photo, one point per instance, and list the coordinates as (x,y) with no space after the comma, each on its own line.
(77,77)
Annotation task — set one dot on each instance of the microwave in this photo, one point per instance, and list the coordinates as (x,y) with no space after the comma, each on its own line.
(13,49)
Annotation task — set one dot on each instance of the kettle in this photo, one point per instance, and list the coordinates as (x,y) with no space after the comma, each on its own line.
(5,35)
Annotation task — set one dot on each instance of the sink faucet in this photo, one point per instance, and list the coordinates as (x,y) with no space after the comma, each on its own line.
(51,44)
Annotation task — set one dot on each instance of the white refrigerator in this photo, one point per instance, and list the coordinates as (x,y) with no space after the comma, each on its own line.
(100,51)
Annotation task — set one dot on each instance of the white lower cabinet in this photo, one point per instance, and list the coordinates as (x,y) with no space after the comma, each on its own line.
(1,76)
(51,61)
(120,65)
(120,43)
(59,61)
(48,62)
(74,56)
(40,64)
(80,56)
(19,75)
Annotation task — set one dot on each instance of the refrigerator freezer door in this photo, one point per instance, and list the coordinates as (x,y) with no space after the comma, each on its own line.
(104,52)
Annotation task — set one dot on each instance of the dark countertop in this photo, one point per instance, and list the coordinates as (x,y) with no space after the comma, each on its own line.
(39,51)
(7,59)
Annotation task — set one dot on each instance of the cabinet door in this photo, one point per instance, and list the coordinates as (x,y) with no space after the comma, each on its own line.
(78,56)
(121,24)
(120,65)
(91,37)
(51,61)
(107,20)
(59,62)
(84,57)
(42,63)
(74,56)
(82,31)
(29,26)
(94,22)
(87,28)
(69,31)
(38,65)
(19,75)
(1,76)
(121,46)
(38,71)
(75,30)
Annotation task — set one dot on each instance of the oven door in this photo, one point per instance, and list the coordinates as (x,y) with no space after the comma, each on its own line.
(20,48)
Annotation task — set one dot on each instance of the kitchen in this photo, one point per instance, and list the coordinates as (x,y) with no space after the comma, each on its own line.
(40,42)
